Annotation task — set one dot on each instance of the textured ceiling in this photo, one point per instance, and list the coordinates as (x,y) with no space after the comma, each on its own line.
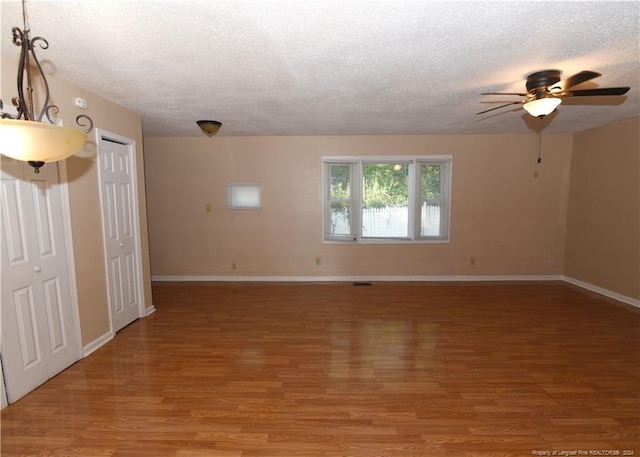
(314,67)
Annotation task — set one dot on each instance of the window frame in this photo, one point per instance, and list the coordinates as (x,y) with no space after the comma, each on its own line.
(415,199)
(326,199)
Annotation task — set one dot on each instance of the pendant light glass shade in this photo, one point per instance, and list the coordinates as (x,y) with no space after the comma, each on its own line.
(26,136)
(542,106)
(38,141)
(209,128)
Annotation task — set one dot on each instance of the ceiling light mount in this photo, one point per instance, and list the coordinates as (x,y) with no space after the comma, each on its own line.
(209,128)
(32,135)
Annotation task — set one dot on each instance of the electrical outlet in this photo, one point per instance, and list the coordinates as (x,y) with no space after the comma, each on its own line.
(207,208)
(318,261)
(552,262)
(234,266)
(472,261)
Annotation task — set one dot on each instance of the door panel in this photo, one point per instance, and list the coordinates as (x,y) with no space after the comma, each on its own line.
(130,287)
(13,223)
(115,278)
(22,355)
(55,314)
(43,220)
(126,230)
(27,327)
(110,206)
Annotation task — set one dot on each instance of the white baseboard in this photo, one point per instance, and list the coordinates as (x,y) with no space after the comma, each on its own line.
(359,278)
(602,291)
(149,310)
(97,343)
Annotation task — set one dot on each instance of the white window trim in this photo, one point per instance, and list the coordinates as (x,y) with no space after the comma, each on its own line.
(414,216)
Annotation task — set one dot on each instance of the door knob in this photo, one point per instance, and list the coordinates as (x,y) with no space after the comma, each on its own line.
(37,269)
(121,245)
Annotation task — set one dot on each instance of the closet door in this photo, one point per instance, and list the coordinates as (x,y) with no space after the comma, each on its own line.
(122,239)
(38,332)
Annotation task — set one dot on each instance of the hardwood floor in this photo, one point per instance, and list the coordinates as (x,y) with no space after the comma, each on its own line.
(334,370)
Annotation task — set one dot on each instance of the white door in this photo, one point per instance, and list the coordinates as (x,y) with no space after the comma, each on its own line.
(38,331)
(119,207)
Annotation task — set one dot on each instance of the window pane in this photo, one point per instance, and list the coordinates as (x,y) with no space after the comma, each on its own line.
(431,199)
(431,181)
(340,182)
(385,209)
(244,195)
(340,218)
(430,220)
(340,199)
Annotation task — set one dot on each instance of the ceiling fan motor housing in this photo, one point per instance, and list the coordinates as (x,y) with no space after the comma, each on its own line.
(542,79)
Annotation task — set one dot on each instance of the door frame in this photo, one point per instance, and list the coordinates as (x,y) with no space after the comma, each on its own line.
(104,135)
(63,182)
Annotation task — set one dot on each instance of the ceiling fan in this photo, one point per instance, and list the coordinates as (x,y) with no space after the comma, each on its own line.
(545,91)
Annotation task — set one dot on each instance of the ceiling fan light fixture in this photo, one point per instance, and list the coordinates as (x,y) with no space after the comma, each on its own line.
(542,106)
(209,128)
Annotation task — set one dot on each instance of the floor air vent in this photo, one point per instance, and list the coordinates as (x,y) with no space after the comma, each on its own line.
(361,283)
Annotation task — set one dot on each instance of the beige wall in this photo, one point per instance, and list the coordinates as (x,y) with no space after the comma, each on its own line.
(603,238)
(508,212)
(84,195)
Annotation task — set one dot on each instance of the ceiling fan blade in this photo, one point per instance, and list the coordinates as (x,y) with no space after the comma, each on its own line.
(503,93)
(498,107)
(574,80)
(590,92)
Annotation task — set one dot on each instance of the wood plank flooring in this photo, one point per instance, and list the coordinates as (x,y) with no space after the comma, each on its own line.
(333,370)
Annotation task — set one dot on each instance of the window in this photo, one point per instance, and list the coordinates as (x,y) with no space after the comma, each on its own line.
(244,195)
(398,199)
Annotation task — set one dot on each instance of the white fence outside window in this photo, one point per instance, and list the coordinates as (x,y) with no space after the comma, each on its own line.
(389,222)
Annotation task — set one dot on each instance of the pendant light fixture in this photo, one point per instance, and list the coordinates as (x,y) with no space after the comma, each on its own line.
(32,136)
(209,128)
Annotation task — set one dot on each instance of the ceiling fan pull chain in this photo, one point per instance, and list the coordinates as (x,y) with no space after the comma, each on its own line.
(539,146)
